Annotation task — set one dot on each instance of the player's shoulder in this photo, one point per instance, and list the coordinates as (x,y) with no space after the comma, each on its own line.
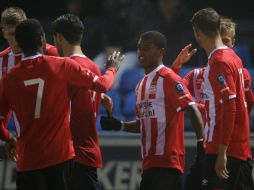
(88,63)
(168,73)
(5,51)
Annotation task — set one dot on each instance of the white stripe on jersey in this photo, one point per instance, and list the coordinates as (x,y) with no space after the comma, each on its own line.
(11,61)
(196,91)
(161,122)
(212,115)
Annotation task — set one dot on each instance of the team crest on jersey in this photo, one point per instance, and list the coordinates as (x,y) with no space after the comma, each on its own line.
(179,88)
(221,79)
(152,89)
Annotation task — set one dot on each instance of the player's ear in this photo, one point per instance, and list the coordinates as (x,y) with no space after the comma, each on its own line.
(162,51)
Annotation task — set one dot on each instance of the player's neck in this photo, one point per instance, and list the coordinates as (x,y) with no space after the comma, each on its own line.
(151,68)
(16,50)
(212,44)
(70,50)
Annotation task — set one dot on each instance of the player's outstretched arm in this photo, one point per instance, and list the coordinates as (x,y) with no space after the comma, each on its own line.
(112,124)
(183,57)
(80,76)
(197,124)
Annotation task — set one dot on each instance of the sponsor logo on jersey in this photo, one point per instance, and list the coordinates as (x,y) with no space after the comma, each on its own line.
(152,89)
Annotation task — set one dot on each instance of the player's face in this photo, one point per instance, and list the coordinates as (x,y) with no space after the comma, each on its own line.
(9,35)
(228,38)
(148,54)
(58,45)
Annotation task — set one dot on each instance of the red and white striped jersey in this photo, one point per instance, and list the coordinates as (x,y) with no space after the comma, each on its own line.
(8,58)
(160,97)
(224,80)
(194,81)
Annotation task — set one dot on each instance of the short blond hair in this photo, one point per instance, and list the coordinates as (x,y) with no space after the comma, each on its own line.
(227,25)
(13,16)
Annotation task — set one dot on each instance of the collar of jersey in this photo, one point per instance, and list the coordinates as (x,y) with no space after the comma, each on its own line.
(77,55)
(32,57)
(155,70)
(221,47)
(16,54)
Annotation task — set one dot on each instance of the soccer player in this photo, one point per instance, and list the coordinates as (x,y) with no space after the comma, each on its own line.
(194,81)
(228,37)
(161,98)
(68,31)
(12,55)
(37,90)
(227,131)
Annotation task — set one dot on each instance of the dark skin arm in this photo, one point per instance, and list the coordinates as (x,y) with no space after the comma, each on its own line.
(196,120)
(132,126)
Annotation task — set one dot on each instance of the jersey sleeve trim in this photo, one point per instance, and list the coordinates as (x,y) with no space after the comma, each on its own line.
(95,79)
(232,96)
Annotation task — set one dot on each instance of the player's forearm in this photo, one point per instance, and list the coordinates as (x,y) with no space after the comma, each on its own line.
(131,126)
(228,121)
(196,120)
(106,81)
(222,151)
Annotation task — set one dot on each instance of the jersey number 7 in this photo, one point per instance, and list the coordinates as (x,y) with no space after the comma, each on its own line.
(40,83)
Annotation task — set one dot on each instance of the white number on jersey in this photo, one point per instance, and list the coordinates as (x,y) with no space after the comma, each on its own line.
(40,83)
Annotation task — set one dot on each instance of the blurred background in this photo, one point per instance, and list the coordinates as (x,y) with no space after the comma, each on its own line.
(117,24)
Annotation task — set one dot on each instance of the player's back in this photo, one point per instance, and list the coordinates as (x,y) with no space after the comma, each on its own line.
(37,92)
(227,79)
(84,111)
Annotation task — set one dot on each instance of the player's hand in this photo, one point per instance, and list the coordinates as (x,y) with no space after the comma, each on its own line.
(110,123)
(107,103)
(200,151)
(10,147)
(183,57)
(221,166)
(115,60)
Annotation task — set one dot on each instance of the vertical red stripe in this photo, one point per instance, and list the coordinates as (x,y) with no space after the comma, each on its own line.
(154,135)
(152,88)
(143,89)
(17,59)
(5,64)
(143,137)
